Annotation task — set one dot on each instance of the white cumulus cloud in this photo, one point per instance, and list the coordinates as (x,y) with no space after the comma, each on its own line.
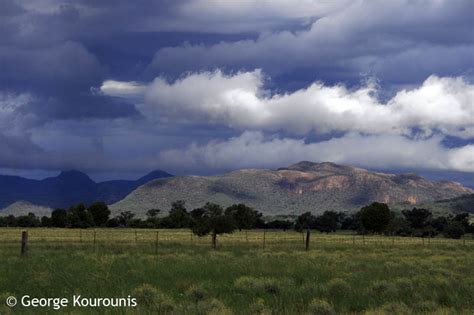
(444,104)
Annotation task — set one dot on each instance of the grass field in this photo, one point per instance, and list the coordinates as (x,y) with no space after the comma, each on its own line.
(182,274)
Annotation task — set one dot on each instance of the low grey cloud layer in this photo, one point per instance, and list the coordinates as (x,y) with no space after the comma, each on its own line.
(377,151)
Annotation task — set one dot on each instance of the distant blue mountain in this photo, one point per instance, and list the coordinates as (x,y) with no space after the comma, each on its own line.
(68,188)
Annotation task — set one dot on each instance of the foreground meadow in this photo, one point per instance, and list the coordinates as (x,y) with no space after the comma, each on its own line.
(179,274)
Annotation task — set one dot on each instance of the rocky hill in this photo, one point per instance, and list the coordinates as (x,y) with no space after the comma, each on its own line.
(304,186)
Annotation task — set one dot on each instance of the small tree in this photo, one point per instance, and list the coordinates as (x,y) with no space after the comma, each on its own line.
(417,217)
(152,218)
(178,216)
(211,219)
(244,216)
(305,221)
(59,218)
(125,217)
(100,213)
(79,217)
(327,222)
(399,226)
(153,213)
(454,229)
(375,217)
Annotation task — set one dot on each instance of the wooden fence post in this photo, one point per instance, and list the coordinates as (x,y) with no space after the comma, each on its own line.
(24,242)
(308,233)
(94,239)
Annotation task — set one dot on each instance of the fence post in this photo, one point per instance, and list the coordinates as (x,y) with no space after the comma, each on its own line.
(307,239)
(94,239)
(264,238)
(24,242)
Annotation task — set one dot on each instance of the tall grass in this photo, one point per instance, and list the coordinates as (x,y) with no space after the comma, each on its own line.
(178,277)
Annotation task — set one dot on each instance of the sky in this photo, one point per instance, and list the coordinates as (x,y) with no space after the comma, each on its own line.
(120,88)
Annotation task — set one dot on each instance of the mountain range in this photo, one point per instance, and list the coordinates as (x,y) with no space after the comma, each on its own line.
(66,189)
(305,186)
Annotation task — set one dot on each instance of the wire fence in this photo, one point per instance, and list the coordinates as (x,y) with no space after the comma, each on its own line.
(254,238)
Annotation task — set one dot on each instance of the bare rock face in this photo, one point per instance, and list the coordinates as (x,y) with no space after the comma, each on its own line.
(305,186)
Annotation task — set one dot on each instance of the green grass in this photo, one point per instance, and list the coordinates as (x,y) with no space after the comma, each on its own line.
(339,274)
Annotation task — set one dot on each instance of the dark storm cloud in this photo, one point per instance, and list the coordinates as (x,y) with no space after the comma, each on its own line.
(404,41)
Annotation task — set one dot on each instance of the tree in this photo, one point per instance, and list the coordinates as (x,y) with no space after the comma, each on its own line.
(152,220)
(439,223)
(59,218)
(454,229)
(462,218)
(45,221)
(211,219)
(178,216)
(399,226)
(351,222)
(125,217)
(153,213)
(79,217)
(327,222)
(305,221)
(417,217)
(244,216)
(29,220)
(279,225)
(375,217)
(100,213)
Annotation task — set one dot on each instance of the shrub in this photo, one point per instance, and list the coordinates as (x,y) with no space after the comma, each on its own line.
(212,307)
(396,309)
(252,284)
(4,309)
(150,297)
(338,288)
(258,307)
(320,307)
(426,307)
(196,293)
(383,288)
